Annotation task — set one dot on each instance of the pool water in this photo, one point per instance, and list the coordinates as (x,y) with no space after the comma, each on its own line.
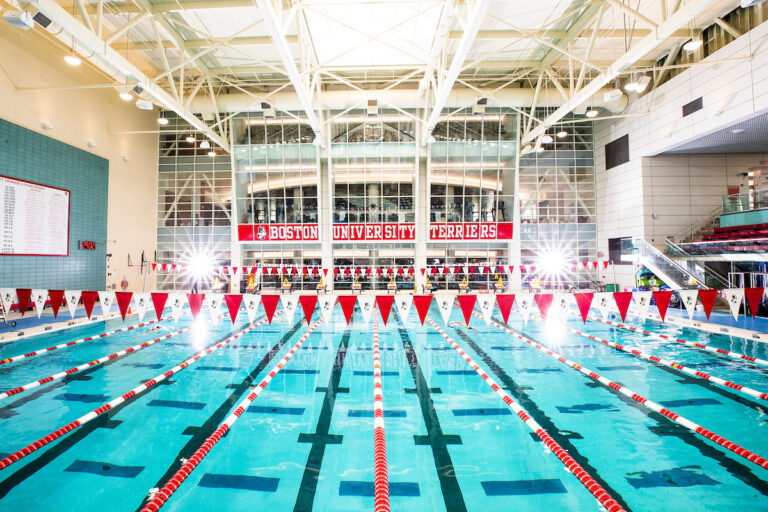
(306,442)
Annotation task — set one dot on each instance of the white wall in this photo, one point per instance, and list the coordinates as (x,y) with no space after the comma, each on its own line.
(32,77)
(682,189)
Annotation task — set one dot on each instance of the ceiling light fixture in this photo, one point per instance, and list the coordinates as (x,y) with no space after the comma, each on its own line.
(205,144)
(591,113)
(562,134)
(162,121)
(73,60)
(212,152)
(547,139)
(191,139)
(539,149)
(693,45)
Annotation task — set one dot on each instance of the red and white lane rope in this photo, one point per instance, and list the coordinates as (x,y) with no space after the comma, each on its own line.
(15,457)
(380,476)
(605,499)
(680,420)
(671,364)
(175,481)
(76,342)
(664,337)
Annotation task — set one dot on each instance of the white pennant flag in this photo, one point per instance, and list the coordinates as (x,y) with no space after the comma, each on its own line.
(689,300)
(213,302)
(441,270)
(465,269)
(445,304)
(251,301)
(486,301)
(38,297)
(289,302)
(603,302)
(642,301)
(6,298)
(366,306)
(734,296)
(561,304)
(403,303)
(326,305)
(177,304)
(142,303)
(106,299)
(524,303)
(72,297)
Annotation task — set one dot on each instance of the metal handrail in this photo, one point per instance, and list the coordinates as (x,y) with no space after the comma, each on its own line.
(721,280)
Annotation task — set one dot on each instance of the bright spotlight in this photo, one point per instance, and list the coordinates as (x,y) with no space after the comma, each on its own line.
(72,60)
(200,265)
(552,262)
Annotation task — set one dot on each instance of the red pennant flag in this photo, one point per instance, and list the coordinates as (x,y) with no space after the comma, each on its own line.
(457,270)
(158,300)
(234,270)
(315,272)
(423,270)
(335,272)
(505,302)
(224,270)
(467,303)
(195,303)
(368,271)
(605,264)
(662,298)
(384,302)
(325,272)
(434,273)
(23,295)
(123,300)
(165,267)
(422,303)
(471,270)
(522,270)
(584,301)
(531,268)
(233,305)
(89,299)
(285,271)
(173,267)
(544,301)
(304,270)
(347,272)
(511,269)
(154,266)
(410,271)
(753,296)
(308,303)
(622,301)
(708,300)
(400,271)
(56,296)
(487,270)
(392,270)
(348,305)
(378,271)
(357,271)
(585,264)
(270,305)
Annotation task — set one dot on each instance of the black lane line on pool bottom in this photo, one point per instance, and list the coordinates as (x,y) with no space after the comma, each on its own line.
(63,444)
(449,485)
(563,438)
(306,497)
(667,427)
(201,433)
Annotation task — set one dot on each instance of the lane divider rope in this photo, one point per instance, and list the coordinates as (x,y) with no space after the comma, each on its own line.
(671,364)
(162,496)
(665,337)
(91,364)
(380,476)
(20,454)
(680,420)
(602,496)
(81,340)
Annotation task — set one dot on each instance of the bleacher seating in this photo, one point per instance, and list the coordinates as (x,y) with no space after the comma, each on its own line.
(738,232)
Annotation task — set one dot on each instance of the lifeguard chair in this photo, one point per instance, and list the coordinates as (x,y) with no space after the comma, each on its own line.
(464,286)
(321,286)
(251,286)
(392,286)
(356,286)
(499,284)
(286,286)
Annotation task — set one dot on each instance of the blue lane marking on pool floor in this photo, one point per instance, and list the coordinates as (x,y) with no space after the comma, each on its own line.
(360,373)
(356,488)
(539,370)
(507,349)
(289,371)
(368,413)
(104,469)
(691,401)
(177,404)
(81,397)
(686,476)
(241,482)
(217,368)
(523,487)
(580,408)
(620,367)
(456,372)
(268,409)
(488,411)
(155,366)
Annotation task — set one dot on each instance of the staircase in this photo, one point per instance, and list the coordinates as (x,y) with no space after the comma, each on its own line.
(673,274)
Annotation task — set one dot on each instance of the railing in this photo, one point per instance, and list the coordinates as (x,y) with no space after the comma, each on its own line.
(686,260)
(752,246)
(673,274)
(708,223)
(745,201)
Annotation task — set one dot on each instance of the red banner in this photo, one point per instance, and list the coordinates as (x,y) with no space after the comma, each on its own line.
(392,231)
(471,231)
(277,232)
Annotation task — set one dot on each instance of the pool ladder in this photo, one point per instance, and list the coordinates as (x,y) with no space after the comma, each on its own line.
(4,317)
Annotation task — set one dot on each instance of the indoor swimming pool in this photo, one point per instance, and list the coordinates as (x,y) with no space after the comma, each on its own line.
(456,438)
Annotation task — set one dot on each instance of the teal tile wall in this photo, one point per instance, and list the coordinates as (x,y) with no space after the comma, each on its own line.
(34,157)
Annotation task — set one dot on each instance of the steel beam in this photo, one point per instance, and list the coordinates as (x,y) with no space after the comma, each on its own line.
(679,19)
(114,64)
(274,24)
